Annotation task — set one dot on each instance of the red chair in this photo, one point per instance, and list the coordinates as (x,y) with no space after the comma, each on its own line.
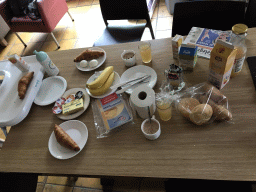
(51,13)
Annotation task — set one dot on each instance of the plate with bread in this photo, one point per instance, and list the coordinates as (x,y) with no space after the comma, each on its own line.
(68,139)
(90,59)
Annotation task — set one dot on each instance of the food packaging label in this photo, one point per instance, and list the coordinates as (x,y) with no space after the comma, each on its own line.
(188,56)
(221,63)
(113,111)
(176,43)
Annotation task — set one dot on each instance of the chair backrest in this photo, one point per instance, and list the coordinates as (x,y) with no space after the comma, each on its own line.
(219,15)
(124,9)
(250,15)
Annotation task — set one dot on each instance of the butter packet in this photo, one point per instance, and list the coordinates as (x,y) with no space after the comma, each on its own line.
(109,113)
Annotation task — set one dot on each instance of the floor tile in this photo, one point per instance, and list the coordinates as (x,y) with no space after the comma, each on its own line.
(88,182)
(81,189)
(49,46)
(80,43)
(4,51)
(163,12)
(65,22)
(57,188)
(57,32)
(42,179)
(84,2)
(152,185)
(11,38)
(18,49)
(96,2)
(31,47)
(66,44)
(38,37)
(161,2)
(25,36)
(70,33)
(69,181)
(164,23)
(155,13)
(40,187)
(163,34)
(72,3)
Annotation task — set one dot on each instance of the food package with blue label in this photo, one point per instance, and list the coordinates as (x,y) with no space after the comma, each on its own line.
(111,112)
(188,56)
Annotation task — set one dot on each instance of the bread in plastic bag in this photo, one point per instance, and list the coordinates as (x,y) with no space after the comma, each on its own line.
(203,104)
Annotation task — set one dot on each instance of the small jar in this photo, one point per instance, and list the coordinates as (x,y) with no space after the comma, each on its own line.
(238,36)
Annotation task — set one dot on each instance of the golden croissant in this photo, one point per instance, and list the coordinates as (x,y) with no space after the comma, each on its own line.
(24,83)
(88,55)
(64,139)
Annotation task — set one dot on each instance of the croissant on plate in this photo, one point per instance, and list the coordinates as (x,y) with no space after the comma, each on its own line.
(24,83)
(64,139)
(88,55)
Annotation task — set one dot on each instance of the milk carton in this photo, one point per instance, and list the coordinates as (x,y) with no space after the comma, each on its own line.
(221,63)
(188,56)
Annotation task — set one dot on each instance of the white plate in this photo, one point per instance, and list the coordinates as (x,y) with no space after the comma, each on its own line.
(51,89)
(100,60)
(110,91)
(133,72)
(77,131)
(86,103)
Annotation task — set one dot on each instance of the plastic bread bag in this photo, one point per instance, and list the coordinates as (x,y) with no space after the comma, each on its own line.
(110,113)
(203,104)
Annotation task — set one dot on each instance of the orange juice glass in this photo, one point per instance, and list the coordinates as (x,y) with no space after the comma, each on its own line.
(145,52)
(164,109)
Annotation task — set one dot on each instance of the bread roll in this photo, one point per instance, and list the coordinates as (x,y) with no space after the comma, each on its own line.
(214,93)
(186,105)
(201,114)
(220,112)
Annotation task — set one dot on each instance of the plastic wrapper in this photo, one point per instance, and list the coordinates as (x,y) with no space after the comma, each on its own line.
(203,104)
(110,113)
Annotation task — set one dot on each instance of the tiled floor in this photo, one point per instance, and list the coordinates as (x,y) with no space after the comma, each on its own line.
(82,33)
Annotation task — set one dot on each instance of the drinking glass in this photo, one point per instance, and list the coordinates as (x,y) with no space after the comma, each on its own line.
(145,52)
(164,108)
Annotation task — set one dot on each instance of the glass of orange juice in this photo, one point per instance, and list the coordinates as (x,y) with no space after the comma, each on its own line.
(145,52)
(164,109)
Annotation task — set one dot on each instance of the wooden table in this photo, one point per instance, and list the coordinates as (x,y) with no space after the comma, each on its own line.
(217,151)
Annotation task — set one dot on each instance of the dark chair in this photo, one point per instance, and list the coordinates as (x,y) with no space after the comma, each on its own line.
(219,15)
(250,15)
(123,10)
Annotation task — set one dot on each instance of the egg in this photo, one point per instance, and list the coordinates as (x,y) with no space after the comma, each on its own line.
(93,63)
(83,63)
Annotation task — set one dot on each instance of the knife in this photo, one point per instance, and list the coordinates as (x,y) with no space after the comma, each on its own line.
(129,81)
(129,86)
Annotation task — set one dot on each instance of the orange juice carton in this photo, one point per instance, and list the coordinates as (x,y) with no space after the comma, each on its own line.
(176,43)
(221,63)
(188,56)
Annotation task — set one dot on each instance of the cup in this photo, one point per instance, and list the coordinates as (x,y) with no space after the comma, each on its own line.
(164,109)
(151,131)
(145,52)
(128,57)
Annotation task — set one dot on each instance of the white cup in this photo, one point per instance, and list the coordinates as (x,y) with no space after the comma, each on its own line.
(130,61)
(155,135)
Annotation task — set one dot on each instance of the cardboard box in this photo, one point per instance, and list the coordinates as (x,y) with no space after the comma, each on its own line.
(221,63)
(188,56)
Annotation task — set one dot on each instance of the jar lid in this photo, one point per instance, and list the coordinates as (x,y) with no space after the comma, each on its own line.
(240,28)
